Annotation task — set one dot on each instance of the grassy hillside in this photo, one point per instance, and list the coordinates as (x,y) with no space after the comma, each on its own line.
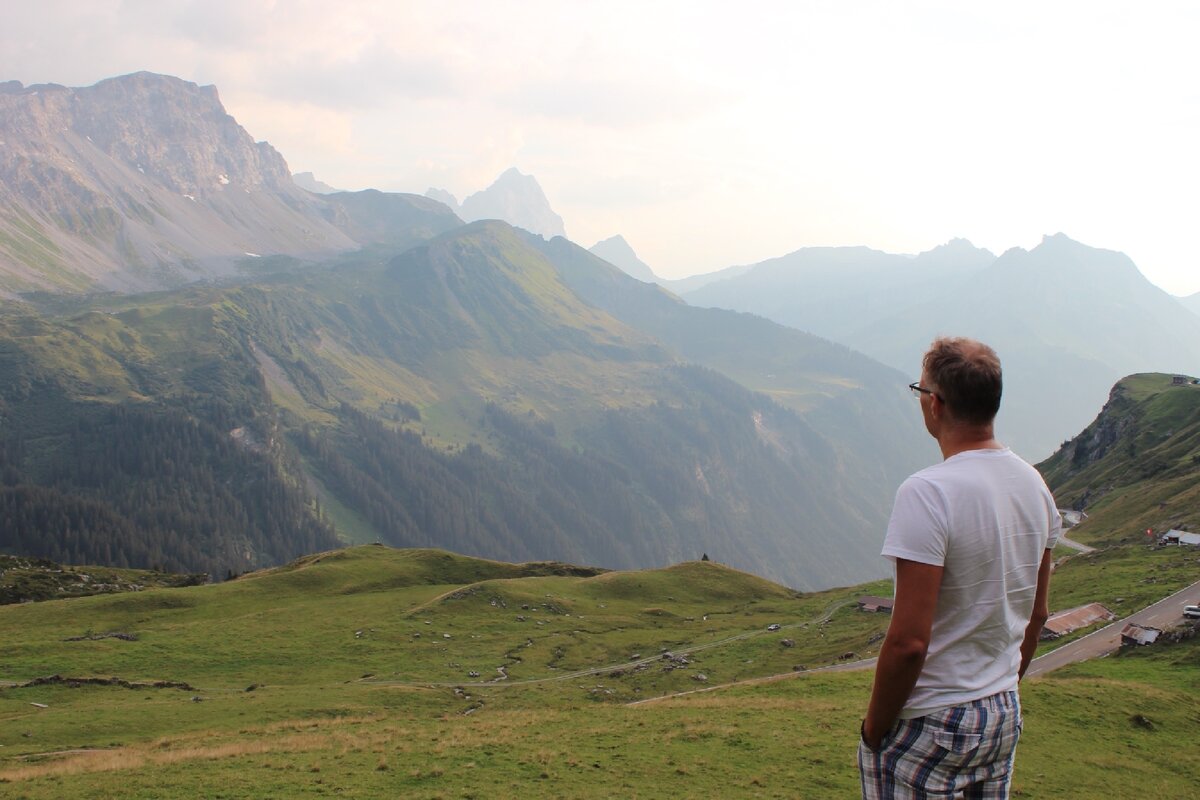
(1137,466)
(460,394)
(348,673)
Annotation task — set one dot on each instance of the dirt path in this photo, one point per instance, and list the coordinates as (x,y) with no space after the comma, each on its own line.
(1165,612)
(849,666)
(624,665)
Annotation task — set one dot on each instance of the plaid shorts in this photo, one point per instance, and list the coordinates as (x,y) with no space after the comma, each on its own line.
(964,751)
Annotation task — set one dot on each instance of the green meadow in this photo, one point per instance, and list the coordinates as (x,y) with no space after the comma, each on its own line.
(373,672)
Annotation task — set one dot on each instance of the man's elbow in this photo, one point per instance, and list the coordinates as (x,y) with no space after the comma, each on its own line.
(908,649)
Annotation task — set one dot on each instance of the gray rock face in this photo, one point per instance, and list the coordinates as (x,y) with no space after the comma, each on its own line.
(138,182)
(518,200)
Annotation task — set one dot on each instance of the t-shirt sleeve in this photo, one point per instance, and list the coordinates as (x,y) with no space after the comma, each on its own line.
(1055,525)
(917,529)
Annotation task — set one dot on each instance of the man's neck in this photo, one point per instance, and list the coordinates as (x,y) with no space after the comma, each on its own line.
(955,440)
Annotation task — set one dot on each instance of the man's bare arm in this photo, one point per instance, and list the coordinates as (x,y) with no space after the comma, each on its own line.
(1041,612)
(903,652)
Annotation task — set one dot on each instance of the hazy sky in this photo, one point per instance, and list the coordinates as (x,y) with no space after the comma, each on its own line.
(708,134)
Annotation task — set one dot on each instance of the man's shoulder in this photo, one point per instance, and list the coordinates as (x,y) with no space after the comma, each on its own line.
(974,467)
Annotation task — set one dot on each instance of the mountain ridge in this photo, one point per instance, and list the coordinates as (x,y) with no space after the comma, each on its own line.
(1136,467)
(460,393)
(141,181)
(1061,315)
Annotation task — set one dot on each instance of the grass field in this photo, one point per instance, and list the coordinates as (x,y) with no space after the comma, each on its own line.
(349,675)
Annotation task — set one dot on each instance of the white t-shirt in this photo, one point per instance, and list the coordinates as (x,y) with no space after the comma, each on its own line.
(985,517)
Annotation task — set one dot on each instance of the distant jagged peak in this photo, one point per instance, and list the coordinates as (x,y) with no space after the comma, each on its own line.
(1074,257)
(444,197)
(958,253)
(1059,238)
(618,252)
(517,199)
(514,177)
(309,183)
(958,245)
(1061,243)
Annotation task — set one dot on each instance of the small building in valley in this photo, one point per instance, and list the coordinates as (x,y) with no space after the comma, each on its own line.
(875,604)
(1182,538)
(1063,622)
(1133,634)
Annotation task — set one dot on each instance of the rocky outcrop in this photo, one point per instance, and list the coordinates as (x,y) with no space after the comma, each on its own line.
(141,181)
(1111,426)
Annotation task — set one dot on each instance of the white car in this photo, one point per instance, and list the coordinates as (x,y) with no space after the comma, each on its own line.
(1191,612)
(774,626)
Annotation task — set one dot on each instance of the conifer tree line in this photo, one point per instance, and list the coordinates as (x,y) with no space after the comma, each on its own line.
(649,485)
(152,487)
(165,485)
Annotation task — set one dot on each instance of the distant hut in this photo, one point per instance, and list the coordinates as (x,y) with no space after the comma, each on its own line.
(875,605)
(1181,538)
(1063,622)
(1136,635)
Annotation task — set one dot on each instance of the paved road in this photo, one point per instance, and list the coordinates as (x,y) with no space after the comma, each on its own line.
(1070,519)
(1164,613)
(1080,546)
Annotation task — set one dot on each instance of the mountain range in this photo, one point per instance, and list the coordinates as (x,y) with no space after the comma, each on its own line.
(417,381)
(1068,320)
(362,366)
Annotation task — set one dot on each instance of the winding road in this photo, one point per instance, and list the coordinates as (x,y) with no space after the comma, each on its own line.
(1107,640)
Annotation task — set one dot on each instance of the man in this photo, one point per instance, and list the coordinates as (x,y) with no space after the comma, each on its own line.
(971,539)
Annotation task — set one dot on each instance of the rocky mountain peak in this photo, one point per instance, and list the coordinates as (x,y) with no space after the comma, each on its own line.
(140,181)
(443,197)
(958,254)
(177,132)
(618,252)
(517,199)
(171,130)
